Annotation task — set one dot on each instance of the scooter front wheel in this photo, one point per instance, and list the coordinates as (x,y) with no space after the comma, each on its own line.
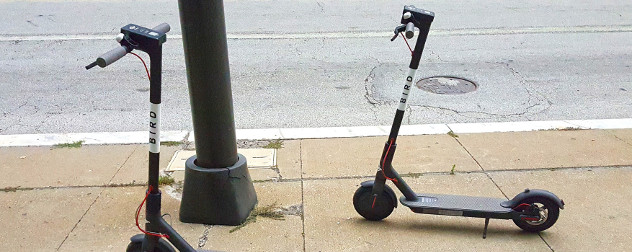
(547,210)
(371,207)
(136,245)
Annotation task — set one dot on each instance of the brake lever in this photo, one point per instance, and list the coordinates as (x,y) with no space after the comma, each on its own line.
(398,29)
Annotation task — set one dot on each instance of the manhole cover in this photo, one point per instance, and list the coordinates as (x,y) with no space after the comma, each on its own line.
(446,85)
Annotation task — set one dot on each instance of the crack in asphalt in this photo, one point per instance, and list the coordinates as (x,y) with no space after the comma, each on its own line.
(472,114)
(38,129)
(409,113)
(536,103)
(368,86)
(321,6)
(368,95)
(534,99)
(436,55)
(18,122)
(540,98)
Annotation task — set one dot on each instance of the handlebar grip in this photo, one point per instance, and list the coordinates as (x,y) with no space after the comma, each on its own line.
(164,28)
(111,56)
(410,30)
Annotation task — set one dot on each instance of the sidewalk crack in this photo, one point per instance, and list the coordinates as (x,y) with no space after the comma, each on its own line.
(94,201)
(204,238)
(121,167)
(622,140)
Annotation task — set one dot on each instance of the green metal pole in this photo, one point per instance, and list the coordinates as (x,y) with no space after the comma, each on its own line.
(206,54)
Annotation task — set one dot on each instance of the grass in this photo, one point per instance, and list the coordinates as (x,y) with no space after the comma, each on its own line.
(170,143)
(76,144)
(165,180)
(563,129)
(452,134)
(570,129)
(452,171)
(269,211)
(274,144)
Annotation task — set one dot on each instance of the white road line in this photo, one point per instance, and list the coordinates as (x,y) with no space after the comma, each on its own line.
(139,137)
(338,35)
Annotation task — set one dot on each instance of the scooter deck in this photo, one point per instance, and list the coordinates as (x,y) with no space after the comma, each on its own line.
(458,205)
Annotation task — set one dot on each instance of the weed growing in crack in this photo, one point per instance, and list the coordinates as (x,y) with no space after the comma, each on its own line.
(452,134)
(270,211)
(274,144)
(170,143)
(165,180)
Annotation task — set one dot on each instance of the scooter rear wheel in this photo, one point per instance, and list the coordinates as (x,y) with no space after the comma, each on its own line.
(548,211)
(370,207)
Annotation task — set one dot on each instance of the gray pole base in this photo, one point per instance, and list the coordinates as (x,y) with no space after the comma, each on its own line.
(217,196)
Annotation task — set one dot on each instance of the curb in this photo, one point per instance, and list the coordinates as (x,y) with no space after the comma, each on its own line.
(139,137)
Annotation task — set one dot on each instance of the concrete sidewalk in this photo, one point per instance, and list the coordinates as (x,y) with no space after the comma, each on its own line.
(83,199)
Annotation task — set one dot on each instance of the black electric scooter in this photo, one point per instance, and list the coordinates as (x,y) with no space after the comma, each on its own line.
(134,37)
(532,210)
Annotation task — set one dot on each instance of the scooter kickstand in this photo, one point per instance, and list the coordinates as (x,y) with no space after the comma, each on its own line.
(485,230)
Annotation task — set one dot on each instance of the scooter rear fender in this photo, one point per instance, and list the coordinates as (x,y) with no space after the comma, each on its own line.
(527,193)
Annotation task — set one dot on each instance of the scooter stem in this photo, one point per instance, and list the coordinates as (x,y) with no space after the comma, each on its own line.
(422,19)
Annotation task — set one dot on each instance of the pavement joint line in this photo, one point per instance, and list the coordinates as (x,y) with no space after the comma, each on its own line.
(348,34)
(16,189)
(414,175)
(140,137)
(300,153)
(406,175)
(547,244)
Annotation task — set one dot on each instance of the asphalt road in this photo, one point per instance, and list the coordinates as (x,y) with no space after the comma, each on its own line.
(301,63)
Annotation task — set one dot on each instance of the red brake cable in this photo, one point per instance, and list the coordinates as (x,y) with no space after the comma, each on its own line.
(145,65)
(138,213)
(411,50)
(384,162)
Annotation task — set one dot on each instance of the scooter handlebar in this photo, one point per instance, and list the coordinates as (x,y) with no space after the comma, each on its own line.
(410,30)
(164,28)
(118,52)
(111,56)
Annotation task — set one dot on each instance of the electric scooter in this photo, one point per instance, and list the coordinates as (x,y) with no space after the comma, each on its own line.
(531,210)
(135,37)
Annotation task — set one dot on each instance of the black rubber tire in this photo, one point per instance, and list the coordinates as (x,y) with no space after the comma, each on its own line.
(552,215)
(363,203)
(163,246)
